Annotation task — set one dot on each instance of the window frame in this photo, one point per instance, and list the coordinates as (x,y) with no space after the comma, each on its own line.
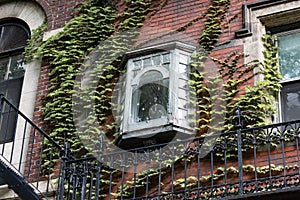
(19,23)
(8,122)
(280,31)
(258,18)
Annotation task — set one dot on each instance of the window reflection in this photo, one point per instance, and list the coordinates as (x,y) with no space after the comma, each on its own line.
(290,97)
(289,55)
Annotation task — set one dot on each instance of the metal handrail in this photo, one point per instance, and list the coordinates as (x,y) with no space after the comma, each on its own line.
(3,98)
(22,149)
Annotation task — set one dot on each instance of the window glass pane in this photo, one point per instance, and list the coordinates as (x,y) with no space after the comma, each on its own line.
(17,67)
(290,101)
(167,66)
(156,60)
(137,64)
(11,67)
(289,55)
(150,99)
(183,69)
(183,59)
(147,62)
(150,76)
(152,102)
(4,62)
(166,58)
(8,120)
(12,37)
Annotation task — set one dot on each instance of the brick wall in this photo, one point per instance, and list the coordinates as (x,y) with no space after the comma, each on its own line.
(59,12)
(169,17)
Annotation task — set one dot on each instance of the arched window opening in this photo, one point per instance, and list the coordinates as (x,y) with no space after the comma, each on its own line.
(14,35)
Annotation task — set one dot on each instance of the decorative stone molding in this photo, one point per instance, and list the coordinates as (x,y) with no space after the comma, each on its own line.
(249,9)
(28,11)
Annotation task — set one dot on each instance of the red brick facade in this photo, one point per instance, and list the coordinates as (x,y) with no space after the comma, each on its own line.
(59,12)
(169,18)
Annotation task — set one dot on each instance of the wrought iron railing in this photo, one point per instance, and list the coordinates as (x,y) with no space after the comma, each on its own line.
(27,152)
(228,165)
(241,163)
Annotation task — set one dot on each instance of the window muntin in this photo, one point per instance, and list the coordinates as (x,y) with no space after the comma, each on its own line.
(289,61)
(13,36)
(11,66)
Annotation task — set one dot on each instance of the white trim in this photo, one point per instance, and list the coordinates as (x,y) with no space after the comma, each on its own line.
(28,11)
(51,33)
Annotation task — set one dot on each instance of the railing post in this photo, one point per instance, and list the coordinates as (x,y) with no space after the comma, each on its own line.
(1,107)
(65,157)
(100,145)
(239,146)
(1,100)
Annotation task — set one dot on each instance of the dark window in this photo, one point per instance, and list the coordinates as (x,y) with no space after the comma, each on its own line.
(290,101)
(13,38)
(12,90)
(152,102)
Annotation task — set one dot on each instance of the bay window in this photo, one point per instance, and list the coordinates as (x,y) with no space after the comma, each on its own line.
(156,95)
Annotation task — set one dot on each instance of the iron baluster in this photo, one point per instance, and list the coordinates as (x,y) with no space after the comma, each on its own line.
(148,170)
(14,132)
(22,145)
(159,175)
(296,136)
(65,157)
(239,148)
(100,148)
(282,140)
(123,174)
(255,159)
(6,124)
(269,160)
(185,173)
(83,178)
(198,168)
(1,116)
(110,178)
(173,169)
(92,171)
(50,160)
(97,184)
(31,152)
(225,163)
(212,169)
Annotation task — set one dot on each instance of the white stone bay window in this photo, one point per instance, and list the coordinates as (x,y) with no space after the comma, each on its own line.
(156,98)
